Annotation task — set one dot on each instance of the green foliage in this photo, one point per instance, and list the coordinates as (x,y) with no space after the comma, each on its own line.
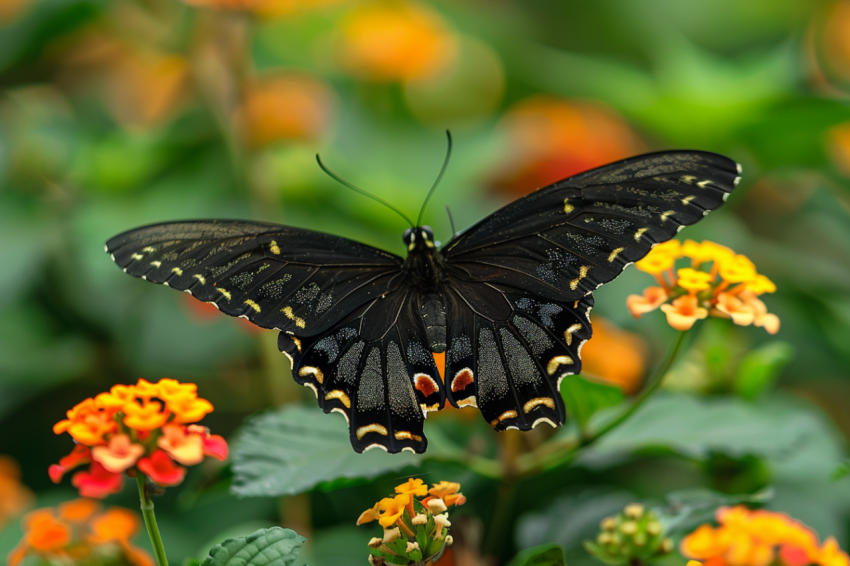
(760,369)
(543,555)
(293,449)
(584,397)
(266,547)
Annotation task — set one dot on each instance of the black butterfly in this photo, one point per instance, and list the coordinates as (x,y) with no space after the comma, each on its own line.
(507,301)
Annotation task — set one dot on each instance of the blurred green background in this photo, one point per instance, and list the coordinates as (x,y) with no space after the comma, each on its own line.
(118,113)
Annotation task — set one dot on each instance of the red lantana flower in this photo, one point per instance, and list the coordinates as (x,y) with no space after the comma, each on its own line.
(147,427)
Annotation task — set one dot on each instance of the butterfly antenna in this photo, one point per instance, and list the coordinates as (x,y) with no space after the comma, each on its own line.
(451,220)
(439,178)
(357,189)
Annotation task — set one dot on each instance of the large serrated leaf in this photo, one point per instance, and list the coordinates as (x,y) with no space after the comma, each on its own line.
(265,547)
(292,449)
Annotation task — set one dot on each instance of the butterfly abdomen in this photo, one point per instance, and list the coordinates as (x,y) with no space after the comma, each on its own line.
(433,312)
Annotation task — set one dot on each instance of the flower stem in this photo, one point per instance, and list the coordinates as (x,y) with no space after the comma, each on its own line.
(150,521)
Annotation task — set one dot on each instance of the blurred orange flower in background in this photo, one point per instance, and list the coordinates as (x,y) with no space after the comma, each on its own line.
(142,87)
(759,538)
(78,532)
(617,356)
(267,8)
(12,10)
(285,107)
(15,497)
(833,40)
(551,138)
(395,41)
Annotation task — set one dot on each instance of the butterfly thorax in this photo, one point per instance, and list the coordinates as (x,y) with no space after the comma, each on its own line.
(425,271)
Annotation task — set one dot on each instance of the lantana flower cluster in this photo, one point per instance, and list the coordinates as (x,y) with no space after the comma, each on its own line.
(718,283)
(147,427)
(415,530)
(759,538)
(634,536)
(79,532)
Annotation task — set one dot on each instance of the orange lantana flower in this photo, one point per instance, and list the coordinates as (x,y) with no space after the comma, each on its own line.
(759,538)
(684,312)
(137,427)
(15,497)
(424,527)
(718,283)
(79,530)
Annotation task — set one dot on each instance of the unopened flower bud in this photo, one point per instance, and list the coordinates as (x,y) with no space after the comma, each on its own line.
(375,542)
(639,540)
(654,528)
(666,546)
(411,546)
(634,511)
(604,538)
(449,540)
(629,528)
(608,524)
(420,519)
(437,506)
(391,534)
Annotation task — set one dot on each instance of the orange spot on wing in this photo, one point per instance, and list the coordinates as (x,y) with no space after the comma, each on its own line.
(464,377)
(440,360)
(425,385)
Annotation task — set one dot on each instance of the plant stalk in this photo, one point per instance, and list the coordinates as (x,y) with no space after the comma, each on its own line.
(150,521)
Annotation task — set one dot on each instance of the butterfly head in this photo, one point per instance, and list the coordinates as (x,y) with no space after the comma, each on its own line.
(421,238)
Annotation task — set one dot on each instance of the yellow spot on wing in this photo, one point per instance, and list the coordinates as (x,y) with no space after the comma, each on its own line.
(274,248)
(640,233)
(666,215)
(224,292)
(530,405)
(299,322)
(364,430)
(703,184)
(156,263)
(688,179)
(582,273)
(315,372)
(177,270)
(614,254)
(339,394)
(200,278)
(688,199)
(568,333)
(297,343)
(567,206)
(407,435)
(137,256)
(149,249)
(253,305)
(506,415)
(557,361)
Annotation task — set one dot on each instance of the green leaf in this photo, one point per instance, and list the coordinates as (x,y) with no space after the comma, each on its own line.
(293,449)
(543,555)
(760,368)
(584,398)
(265,547)
(688,507)
(842,471)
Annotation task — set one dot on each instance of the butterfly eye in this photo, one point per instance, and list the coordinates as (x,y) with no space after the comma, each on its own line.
(406,238)
(428,233)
